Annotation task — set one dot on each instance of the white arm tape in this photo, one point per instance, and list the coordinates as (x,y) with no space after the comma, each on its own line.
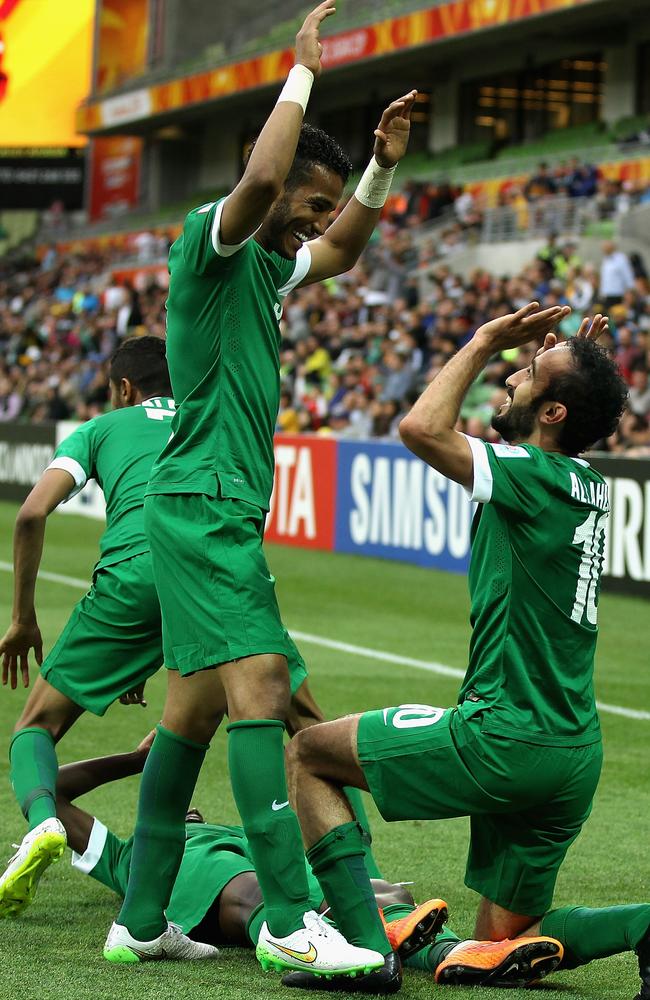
(372,190)
(298,86)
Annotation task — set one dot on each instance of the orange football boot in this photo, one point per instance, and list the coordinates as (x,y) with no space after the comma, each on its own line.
(500,963)
(408,934)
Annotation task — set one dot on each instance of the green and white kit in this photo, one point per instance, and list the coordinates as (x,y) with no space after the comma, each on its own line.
(521,754)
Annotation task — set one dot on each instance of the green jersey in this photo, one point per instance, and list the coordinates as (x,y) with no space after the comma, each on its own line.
(537,548)
(118,450)
(213,855)
(223,343)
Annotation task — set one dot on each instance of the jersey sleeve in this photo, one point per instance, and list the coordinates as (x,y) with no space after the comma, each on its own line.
(293,271)
(76,455)
(510,477)
(202,247)
(107,858)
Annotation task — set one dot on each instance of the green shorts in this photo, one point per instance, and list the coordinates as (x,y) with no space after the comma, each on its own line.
(112,641)
(527,802)
(210,861)
(216,593)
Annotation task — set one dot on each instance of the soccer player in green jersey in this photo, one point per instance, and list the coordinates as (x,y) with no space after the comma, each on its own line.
(216,900)
(112,642)
(521,753)
(207,499)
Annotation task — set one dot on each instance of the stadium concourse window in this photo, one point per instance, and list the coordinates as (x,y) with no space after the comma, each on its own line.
(643,91)
(522,105)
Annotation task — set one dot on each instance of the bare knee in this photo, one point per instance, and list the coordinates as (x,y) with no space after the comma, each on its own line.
(297,753)
(55,716)
(257,687)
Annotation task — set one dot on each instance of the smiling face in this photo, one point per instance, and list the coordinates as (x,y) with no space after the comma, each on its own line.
(517,418)
(301,213)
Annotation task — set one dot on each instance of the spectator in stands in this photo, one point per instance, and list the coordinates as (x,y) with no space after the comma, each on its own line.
(10,399)
(541,184)
(639,400)
(616,275)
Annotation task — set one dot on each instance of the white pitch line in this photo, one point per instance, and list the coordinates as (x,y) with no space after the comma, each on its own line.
(441,669)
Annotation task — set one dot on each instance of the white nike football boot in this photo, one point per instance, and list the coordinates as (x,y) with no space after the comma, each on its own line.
(317,947)
(39,848)
(172,943)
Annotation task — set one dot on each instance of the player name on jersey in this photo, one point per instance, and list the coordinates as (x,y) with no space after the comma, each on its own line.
(596,494)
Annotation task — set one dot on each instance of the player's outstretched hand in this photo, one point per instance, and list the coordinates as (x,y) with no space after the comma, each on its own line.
(590,329)
(134,697)
(308,46)
(515,329)
(14,649)
(145,745)
(392,133)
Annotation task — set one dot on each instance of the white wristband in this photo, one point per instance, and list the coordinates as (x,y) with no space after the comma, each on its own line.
(298,86)
(372,190)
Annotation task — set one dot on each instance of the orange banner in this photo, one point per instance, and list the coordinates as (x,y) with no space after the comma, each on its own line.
(123,39)
(392,35)
(114,176)
(45,66)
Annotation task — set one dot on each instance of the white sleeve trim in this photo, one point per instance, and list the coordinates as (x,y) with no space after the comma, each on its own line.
(71,466)
(222,249)
(482,485)
(96,842)
(303,263)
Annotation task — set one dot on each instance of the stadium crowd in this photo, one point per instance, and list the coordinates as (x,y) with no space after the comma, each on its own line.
(356,350)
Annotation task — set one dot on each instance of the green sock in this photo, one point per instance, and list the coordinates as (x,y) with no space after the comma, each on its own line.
(596,933)
(429,958)
(254,924)
(33,773)
(337,861)
(259,785)
(168,782)
(355,798)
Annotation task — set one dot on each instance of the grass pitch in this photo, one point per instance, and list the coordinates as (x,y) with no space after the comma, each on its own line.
(55,950)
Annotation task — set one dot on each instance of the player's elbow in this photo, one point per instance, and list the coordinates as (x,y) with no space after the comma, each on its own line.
(30,514)
(413,432)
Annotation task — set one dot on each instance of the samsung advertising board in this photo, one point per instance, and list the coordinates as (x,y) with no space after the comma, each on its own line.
(367,498)
(392,505)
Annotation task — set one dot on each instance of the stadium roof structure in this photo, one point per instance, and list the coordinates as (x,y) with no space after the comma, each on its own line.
(444,21)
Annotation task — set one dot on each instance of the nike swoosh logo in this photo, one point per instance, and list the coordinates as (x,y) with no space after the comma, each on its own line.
(309,957)
(275,805)
(148,956)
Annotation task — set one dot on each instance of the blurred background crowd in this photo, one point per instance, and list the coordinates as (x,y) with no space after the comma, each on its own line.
(355,351)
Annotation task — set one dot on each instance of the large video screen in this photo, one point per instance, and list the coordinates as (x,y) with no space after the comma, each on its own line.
(123,39)
(45,70)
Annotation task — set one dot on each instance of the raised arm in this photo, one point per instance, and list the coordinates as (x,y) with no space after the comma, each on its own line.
(341,246)
(24,634)
(266,171)
(429,430)
(85,775)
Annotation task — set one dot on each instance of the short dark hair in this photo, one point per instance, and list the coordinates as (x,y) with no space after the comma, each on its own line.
(315,147)
(142,360)
(594,393)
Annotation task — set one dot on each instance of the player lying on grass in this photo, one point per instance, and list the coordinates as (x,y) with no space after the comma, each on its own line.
(521,753)
(232,266)
(216,900)
(112,641)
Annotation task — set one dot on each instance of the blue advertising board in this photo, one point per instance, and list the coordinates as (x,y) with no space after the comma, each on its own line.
(390,504)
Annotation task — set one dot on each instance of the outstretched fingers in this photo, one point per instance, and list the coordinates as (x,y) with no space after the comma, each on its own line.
(323,10)
(592,329)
